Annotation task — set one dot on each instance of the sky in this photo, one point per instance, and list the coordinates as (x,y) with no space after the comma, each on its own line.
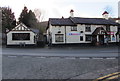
(59,8)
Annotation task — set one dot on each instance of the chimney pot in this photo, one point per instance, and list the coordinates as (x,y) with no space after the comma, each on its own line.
(71,13)
(105,15)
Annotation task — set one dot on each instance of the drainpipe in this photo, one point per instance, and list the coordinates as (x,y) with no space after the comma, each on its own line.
(65,34)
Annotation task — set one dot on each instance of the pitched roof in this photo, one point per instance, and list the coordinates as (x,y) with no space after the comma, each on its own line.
(96,21)
(21,27)
(73,21)
(61,22)
(97,30)
(37,31)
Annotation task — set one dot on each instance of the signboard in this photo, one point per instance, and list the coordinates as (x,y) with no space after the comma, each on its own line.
(74,33)
(110,33)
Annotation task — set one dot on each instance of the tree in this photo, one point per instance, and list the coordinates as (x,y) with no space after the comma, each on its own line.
(32,21)
(28,18)
(24,16)
(8,19)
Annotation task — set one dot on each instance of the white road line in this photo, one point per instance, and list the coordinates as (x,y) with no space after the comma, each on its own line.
(54,57)
(110,58)
(41,57)
(84,58)
(70,58)
(97,58)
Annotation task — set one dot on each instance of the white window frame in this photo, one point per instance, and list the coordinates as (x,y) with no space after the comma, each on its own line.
(73,28)
(59,37)
(87,28)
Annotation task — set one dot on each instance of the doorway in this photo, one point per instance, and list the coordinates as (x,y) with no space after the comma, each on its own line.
(101,39)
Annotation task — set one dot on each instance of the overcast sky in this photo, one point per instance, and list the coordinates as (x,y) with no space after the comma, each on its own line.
(59,8)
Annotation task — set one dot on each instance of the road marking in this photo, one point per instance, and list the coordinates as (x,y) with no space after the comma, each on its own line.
(70,58)
(108,77)
(40,57)
(62,57)
(97,58)
(84,58)
(113,77)
(110,58)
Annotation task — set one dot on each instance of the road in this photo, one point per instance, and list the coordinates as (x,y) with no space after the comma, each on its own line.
(71,52)
(56,68)
(28,63)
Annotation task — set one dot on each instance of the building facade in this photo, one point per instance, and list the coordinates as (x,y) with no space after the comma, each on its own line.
(74,30)
(21,35)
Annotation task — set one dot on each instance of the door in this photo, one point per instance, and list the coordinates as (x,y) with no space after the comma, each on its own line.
(94,39)
(101,39)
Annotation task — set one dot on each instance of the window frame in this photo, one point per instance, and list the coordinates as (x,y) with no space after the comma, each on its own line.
(87,28)
(59,36)
(86,37)
(73,28)
(20,37)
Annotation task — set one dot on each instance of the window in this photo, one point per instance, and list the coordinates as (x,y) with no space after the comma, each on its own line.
(81,38)
(88,28)
(58,37)
(88,37)
(74,28)
(21,36)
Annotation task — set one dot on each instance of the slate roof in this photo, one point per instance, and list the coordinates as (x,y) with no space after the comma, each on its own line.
(35,30)
(96,21)
(73,21)
(61,22)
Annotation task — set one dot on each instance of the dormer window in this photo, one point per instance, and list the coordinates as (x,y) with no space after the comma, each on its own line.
(88,28)
(74,28)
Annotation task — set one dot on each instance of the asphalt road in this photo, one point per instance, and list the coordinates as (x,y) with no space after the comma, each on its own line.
(56,68)
(29,63)
(69,51)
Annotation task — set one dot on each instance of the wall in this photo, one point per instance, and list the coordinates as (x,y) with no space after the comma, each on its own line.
(54,30)
(11,42)
(113,29)
(76,38)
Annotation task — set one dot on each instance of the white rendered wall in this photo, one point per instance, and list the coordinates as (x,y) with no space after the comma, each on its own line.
(54,30)
(17,42)
(113,29)
(76,38)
